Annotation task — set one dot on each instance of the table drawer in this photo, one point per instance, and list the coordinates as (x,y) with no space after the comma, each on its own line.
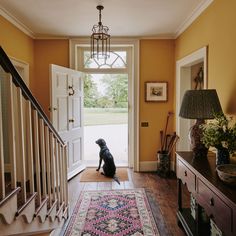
(186,175)
(214,206)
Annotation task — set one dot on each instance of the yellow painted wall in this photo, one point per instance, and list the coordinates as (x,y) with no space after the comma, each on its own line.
(17,44)
(156,64)
(216,27)
(48,52)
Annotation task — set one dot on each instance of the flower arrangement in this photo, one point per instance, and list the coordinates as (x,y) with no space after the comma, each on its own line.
(220,133)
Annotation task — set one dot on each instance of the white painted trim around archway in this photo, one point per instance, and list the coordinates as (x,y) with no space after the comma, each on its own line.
(134,43)
(183,82)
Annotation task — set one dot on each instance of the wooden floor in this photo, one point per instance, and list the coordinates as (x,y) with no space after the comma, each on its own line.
(164,190)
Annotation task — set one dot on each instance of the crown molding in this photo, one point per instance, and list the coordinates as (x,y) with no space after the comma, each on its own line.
(49,37)
(8,16)
(167,36)
(193,16)
(188,21)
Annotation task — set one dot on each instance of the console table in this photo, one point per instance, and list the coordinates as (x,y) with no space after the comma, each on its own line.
(217,198)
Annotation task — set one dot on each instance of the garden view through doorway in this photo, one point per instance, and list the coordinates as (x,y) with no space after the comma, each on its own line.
(106,116)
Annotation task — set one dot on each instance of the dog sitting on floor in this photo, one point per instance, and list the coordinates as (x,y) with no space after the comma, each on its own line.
(109,168)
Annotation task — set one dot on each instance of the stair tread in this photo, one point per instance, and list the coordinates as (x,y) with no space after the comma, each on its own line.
(39,207)
(22,205)
(9,195)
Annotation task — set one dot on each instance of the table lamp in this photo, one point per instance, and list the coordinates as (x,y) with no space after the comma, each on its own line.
(199,104)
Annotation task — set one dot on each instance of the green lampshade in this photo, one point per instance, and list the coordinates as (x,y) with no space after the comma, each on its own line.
(200,104)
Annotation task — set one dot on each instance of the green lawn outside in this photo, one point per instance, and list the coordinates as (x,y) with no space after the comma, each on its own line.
(105,116)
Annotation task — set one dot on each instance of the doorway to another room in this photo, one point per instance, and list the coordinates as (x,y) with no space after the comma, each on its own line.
(186,70)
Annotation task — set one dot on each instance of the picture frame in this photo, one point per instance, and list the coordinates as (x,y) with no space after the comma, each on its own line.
(156,91)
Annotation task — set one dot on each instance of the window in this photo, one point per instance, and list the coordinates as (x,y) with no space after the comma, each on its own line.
(118,62)
(117,59)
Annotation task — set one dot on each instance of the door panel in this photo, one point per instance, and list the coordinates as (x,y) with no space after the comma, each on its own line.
(75,110)
(62,81)
(62,114)
(76,149)
(66,113)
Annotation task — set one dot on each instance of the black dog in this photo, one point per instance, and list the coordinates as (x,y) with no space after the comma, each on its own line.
(109,168)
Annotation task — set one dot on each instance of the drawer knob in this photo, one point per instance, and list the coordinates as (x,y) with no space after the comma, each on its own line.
(185,173)
(212,201)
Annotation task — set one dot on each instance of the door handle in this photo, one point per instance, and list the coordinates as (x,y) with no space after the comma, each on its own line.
(73,91)
(71,120)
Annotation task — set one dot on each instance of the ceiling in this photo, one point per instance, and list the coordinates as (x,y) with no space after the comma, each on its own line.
(125,18)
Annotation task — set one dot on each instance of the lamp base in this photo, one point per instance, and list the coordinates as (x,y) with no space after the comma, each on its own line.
(195,135)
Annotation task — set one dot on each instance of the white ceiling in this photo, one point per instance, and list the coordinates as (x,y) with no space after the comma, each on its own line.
(125,18)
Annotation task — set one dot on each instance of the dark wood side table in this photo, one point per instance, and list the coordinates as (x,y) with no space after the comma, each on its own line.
(217,198)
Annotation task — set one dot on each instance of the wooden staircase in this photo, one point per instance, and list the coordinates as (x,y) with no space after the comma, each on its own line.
(33,161)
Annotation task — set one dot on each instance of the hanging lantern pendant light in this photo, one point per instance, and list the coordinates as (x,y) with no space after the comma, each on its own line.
(100,39)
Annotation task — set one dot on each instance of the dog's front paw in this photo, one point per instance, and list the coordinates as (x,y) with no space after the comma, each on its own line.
(97,169)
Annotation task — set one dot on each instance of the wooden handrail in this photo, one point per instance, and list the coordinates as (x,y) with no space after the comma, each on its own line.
(7,65)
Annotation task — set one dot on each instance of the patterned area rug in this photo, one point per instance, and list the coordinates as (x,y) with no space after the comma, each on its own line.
(112,212)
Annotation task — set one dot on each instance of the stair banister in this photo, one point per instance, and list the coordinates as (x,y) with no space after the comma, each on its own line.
(18,81)
(38,187)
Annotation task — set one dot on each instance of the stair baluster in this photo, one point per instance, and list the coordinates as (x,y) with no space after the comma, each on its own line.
(12,132)
(21,141)
(2,177)
(48,164)
(36,156)
(53,180)
(60,171)
(65,153)
(42,157)
(30,156)
(57,173)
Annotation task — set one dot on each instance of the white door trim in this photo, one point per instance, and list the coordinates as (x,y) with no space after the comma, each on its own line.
(183,82)
(24,67)
(134,43)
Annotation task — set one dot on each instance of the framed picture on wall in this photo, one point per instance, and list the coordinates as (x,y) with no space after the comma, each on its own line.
(156,91)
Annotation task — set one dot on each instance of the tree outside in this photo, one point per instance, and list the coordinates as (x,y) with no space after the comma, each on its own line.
(106,99)
(106,116)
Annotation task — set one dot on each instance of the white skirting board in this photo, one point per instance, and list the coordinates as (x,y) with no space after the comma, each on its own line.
(150,166)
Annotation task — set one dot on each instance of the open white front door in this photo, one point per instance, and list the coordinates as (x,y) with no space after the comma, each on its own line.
(66,113)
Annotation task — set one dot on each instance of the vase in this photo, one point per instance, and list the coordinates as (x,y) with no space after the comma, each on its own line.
(222,156)
(164,164)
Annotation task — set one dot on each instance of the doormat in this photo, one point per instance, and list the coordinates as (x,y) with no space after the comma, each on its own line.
(112,213)
(91,175)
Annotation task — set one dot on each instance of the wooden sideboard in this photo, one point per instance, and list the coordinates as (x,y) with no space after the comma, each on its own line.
(216,198)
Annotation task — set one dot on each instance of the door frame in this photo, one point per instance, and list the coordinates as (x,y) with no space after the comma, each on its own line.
(23,67)
(133,140)
(183,83)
